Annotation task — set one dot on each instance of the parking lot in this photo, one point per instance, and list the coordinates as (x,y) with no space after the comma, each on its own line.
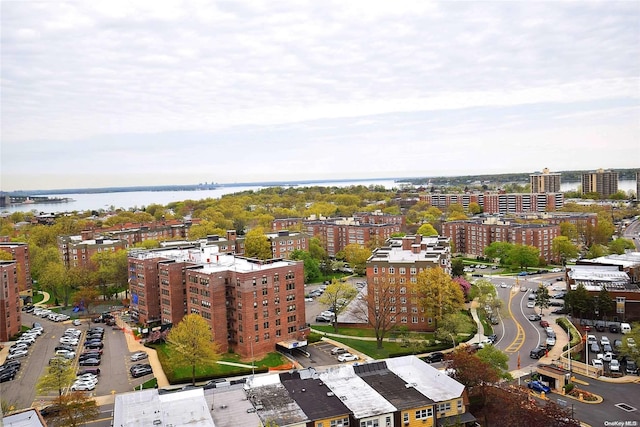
(114,363)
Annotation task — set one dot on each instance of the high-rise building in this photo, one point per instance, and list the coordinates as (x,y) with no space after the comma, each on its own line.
(253,306)
(545,182)
(604,183)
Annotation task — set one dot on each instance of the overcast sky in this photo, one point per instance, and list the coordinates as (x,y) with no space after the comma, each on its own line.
(112,93)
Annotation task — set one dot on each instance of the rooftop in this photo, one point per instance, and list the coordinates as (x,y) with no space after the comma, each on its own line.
(314,397)
(149,408)
(629,259)
(431,382)
(273,401)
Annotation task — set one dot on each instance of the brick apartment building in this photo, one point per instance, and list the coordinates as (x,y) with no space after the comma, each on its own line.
(20,253)
(499,203)
(253,306)
(398,263)
(230,244)
(471,237)
(336,233)
(76,251)
(602,182)
(545,181)
(579,219)
(284,242)
(10,320)
(134,233)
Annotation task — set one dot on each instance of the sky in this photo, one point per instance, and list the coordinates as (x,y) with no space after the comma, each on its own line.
(127,93)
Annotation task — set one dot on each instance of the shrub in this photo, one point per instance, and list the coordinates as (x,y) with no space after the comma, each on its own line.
(568,387)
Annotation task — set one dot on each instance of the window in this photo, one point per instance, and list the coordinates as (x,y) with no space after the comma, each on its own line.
(392,270)
(340,422)
(444,407)
(402,270)
(370,423)
(459,405)
(423,414)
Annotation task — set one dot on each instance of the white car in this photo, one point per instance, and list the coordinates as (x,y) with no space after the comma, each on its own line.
(551,342)
(503,285)
(66,354)
(17,354)
(138,355)
(87,376)
(591,339)
(597,363)
(82,386)
(606,357)
(556,270)
(347,357)
(614,365)
(604,340)
(77,322)
(531,304)
(69,341)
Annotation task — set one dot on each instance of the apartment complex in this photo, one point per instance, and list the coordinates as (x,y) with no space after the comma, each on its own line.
(284,242)
(499,203)
(252,305)
(9,300)
(20,253)
(392,271)
(75,251)
(545,181)
(403,391)
(471,237)
(602,182)
(134,233)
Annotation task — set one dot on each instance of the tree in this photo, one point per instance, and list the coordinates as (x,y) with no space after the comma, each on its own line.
(542,297)
(596,251)
(86,297)
(569,230)
(257,245)
(311,266)
(604,304)
(427,229)
(620,245)
(191,343)
(498,250)
(450,326)
(357,255)
(337,296)
(76,409)
(579,301)
(524,256)
(379,307)
(631,352)
(474,208)
(457,267)
(465,286)
(497,359)
(563,249)
(60,374)
(473,372)
(439,294)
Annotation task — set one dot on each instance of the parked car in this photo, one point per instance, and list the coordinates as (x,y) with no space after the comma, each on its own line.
(95,371)
(139,355)
(214,383)
(538,352)
(434,357)
(531,304)
(594,348)
(538,386)
(614,365)
(614,329)
(17,354)
(141,372)
(534,317)
(50,410)
(8,375)
(89,362)
(604,340)
(597,363)
(338,350)
(347,357)
(631,367)
(544,324)
(77,322)
(551,341)
(82,386)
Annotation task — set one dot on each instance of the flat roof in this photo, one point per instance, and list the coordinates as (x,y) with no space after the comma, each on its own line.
(210,257)
(433,383)
(273,401)
(314,397)
(629,259)
(149,408)
(230,405)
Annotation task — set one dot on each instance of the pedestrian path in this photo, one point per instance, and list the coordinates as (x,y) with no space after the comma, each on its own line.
(46,297)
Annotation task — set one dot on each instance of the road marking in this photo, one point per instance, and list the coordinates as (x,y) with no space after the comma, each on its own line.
(518,341)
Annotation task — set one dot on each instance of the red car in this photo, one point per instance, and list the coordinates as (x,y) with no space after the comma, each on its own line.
(544,323)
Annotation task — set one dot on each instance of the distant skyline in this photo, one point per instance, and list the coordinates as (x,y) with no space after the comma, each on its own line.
(133,93)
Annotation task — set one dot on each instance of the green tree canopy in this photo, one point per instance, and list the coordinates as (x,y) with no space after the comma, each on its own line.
(524,256)
(357,256)
(498,250)
(191,343)
(620,245)
(59,375)
(257,245)
(427,229)
(438,293)
(337,296)
(563,249)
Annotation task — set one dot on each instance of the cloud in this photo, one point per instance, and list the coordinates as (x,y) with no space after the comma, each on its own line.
(79,75)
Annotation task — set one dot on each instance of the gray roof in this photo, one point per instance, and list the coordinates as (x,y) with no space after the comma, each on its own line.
(26,418)
(273,401)
(629,259)
(146,408)
(355,393)
(431,382)
(230,405)
(314,397)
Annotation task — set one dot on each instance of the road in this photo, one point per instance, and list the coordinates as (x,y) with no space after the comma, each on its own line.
(631,233)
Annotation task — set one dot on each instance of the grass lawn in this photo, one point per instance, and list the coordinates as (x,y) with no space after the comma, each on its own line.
(370,333)
(178,374)
(37,297)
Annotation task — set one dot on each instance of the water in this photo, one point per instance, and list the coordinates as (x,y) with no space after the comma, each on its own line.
(138,199)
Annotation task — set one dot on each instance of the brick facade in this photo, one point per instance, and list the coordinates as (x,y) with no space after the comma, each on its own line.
(9,300)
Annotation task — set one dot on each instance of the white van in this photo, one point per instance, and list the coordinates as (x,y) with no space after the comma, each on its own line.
(625,328)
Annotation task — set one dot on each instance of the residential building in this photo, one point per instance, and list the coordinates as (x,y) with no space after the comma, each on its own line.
(604,183)
(398,263)
(76,251)
(545,181)
(471,237)
(335,234)
(29,417)
(581,220)
(284,242)
(253,306)
(499,203)
(133,233)
(9,300)
(20,253)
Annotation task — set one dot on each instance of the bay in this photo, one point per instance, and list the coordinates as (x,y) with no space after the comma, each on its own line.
(138,199)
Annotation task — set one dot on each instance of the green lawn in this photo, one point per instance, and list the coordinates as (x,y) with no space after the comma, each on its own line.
(37,297)
(179,374)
